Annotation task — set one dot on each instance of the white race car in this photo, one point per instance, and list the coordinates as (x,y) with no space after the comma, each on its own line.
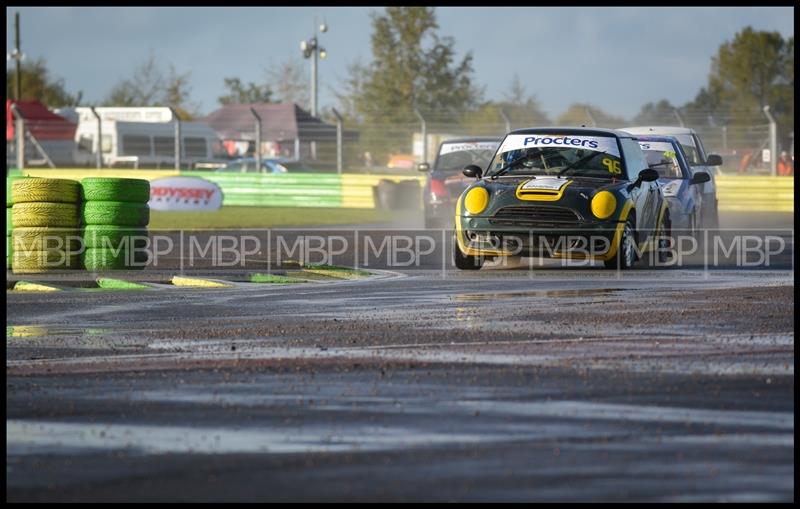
(699,161)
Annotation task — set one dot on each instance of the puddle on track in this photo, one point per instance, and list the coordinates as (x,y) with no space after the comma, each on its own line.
(470,297)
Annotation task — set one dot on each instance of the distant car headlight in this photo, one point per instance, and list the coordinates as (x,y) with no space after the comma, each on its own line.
(476,200)
(603,205)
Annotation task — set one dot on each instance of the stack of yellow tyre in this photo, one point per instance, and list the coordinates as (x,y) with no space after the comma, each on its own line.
(9,222)
(115,218)
(46,220)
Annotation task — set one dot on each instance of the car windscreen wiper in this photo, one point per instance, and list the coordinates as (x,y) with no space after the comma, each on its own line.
(507,167)
(579,161)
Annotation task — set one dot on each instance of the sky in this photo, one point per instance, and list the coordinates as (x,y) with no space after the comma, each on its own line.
(616,58)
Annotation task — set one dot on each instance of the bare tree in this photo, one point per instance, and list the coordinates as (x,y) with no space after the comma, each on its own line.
(289,81)
(151,86)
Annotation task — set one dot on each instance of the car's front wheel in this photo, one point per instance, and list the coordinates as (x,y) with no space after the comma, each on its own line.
(710,214)
(625,254)
(665,239)
(465,261)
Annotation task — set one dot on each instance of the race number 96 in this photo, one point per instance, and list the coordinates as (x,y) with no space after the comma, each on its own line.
(612,166)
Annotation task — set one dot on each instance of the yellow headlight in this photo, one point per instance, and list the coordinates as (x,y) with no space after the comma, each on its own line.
(603,205)
(476,200)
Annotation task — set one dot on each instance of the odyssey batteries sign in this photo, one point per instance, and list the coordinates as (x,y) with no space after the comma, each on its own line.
(184,193)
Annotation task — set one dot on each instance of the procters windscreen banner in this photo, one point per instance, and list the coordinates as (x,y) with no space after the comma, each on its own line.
(605,144)
(184,193)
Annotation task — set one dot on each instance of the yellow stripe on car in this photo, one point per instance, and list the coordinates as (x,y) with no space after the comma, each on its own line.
(540,194)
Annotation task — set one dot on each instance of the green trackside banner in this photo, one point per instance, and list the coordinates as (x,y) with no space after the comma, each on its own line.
(263,190)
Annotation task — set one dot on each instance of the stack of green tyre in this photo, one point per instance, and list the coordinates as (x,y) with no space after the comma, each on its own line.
(115,217)
(46,220)
(9,222)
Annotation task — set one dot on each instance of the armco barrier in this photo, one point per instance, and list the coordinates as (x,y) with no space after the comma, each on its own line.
(755,194)
(735,193)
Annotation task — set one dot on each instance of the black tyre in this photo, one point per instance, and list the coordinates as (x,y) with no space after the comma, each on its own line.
(710,213)
(664,237)
(464,261)
(625,255)
(385,195)
(409,196)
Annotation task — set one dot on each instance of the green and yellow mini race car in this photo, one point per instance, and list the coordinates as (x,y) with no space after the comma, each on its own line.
(579,193)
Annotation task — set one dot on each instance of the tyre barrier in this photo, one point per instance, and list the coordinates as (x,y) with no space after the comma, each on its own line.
(112,237)
(115,189)
(115,216)
(9,183)
(45,190)
(115,213)
(44,218)
(46,238)
(97,259)
(41,261)
(63,215)
(403,195)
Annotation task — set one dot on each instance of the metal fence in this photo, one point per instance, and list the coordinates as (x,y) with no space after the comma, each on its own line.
(337,144)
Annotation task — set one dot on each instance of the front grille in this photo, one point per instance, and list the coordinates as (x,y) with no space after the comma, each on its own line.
(536,216)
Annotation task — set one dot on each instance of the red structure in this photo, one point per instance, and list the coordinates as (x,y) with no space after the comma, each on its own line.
(42,123)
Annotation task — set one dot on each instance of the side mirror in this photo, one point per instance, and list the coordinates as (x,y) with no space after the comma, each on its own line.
(713,160)
(700,177)
(423,167)
(472,171)
(648,175)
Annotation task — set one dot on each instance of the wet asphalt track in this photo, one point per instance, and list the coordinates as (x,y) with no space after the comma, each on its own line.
(500,385)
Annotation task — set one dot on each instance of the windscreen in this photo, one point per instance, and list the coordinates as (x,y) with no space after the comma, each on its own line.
(689,148)
(559,154)
(453,157)
(662,157)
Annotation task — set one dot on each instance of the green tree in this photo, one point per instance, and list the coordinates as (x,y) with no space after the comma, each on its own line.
(151,86)
(521,108)
(37,84)
(239,93)
(412,66)
(658,113)
(581,114)
(754,69)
